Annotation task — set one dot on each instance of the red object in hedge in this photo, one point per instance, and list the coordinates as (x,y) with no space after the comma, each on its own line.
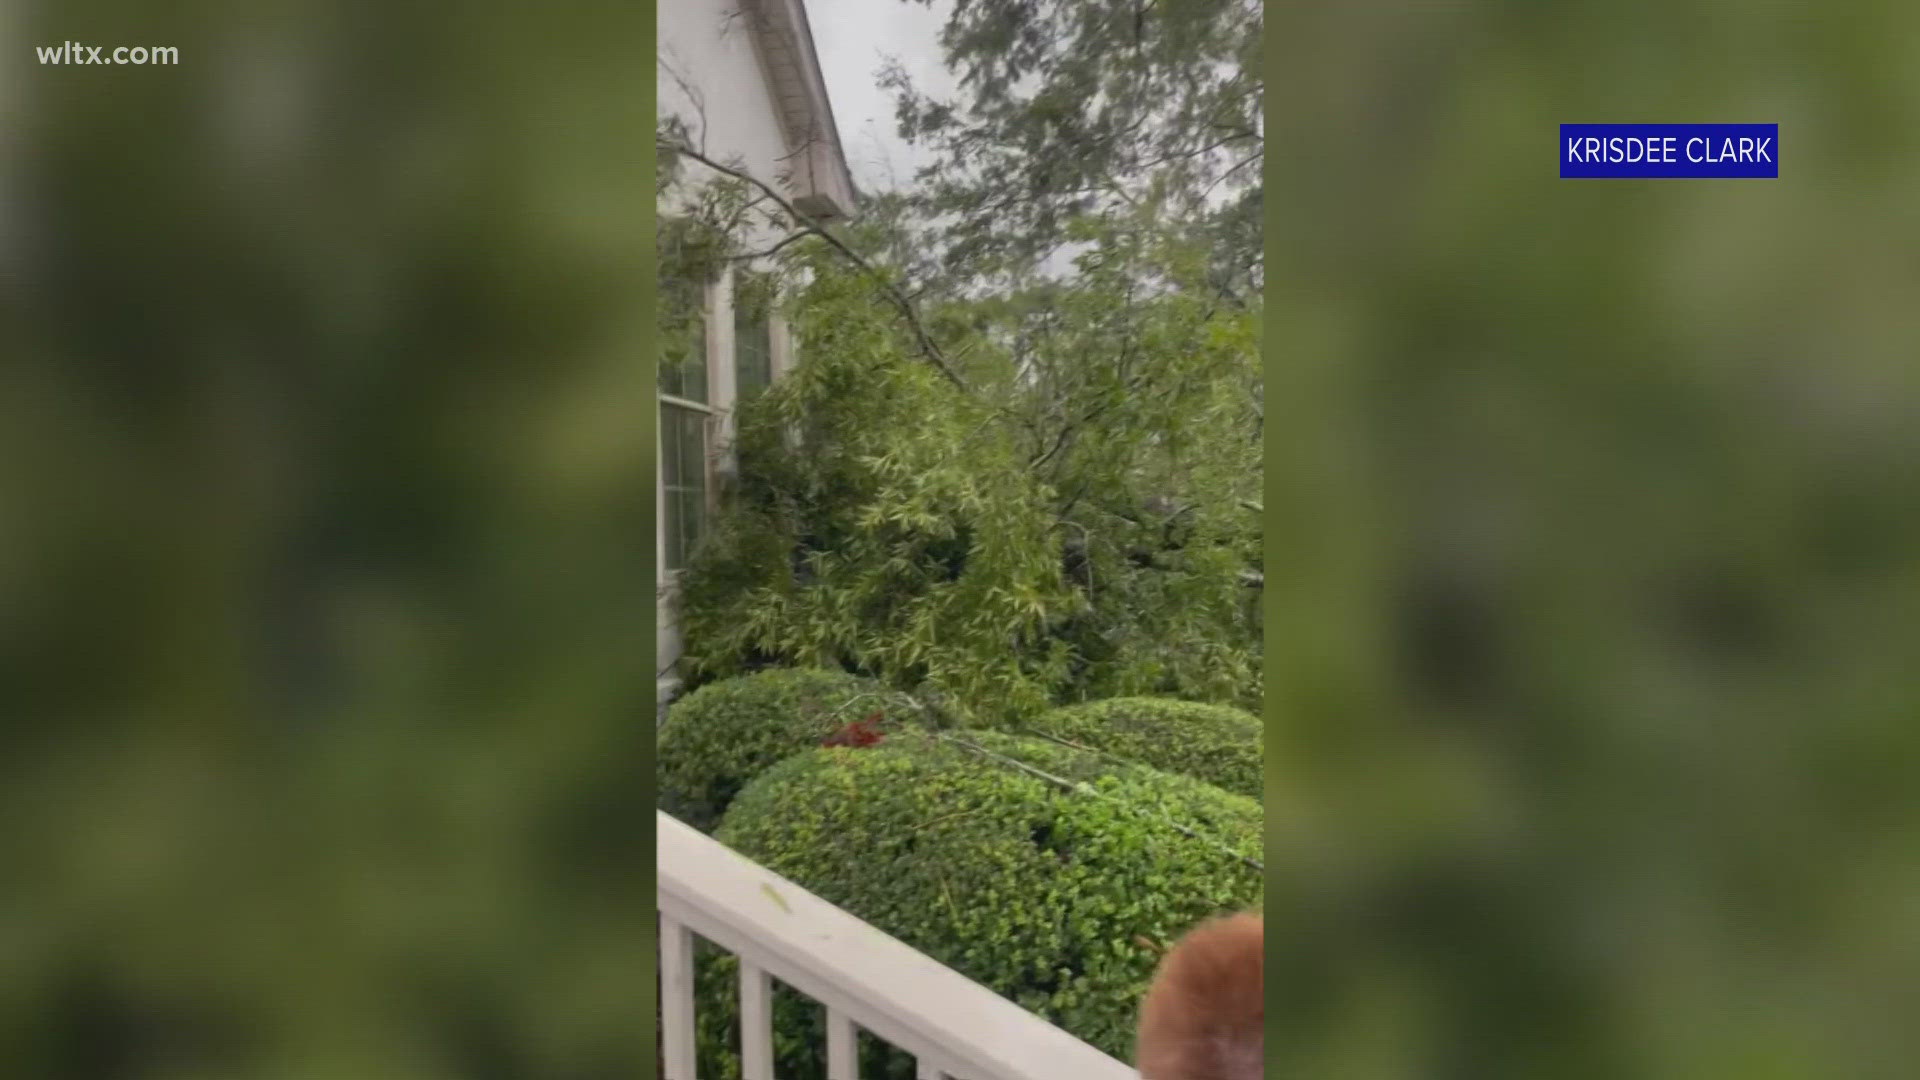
(857,734)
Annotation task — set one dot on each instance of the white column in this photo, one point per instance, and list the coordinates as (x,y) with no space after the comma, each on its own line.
(721,389)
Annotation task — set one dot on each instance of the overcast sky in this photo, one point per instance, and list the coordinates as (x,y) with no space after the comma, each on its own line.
(854,38)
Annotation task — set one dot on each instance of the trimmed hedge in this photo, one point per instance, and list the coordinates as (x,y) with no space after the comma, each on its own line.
(1220,744)
(1057,897)
(720,736)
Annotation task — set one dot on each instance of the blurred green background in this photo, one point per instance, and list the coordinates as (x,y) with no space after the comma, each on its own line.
(1595,569)
(325,543)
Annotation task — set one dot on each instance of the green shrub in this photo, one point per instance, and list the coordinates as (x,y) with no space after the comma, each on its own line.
(1055,896)
(720,736)
(1217,743)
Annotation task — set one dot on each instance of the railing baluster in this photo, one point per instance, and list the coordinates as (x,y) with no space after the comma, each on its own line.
(756,1023)
(843,1057)
(676,999)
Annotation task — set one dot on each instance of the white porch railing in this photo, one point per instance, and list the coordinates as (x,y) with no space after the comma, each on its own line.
(954,1027)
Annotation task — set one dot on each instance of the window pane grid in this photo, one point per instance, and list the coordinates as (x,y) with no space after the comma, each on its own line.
(685,376)
(752,335)
(683,482)
(682,317)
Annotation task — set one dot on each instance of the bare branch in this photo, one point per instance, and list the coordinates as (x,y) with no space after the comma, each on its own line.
(687,87)
(1236,167)
(752,255)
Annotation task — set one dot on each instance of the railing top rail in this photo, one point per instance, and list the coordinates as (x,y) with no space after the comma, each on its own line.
(802,939)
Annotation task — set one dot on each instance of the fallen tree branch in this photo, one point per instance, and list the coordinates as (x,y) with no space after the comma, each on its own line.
(811,226)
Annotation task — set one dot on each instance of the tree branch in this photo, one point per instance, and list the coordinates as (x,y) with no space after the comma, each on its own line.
(812,226)
(752,255)
(1236,167)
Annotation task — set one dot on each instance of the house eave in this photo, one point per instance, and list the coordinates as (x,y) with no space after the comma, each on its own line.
(816,163)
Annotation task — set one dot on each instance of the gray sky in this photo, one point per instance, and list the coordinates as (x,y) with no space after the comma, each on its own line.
(854,38)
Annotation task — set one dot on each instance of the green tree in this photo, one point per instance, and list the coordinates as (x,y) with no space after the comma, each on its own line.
(1028,411)
(1074,107)
(1064,506)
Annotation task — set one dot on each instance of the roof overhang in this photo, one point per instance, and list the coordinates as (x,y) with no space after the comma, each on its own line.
(816,164)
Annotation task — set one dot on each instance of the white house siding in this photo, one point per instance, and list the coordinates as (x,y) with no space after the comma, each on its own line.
(713,76)
(731,113)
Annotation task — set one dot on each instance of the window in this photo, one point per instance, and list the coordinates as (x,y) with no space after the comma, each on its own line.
(682,319)
(752,333)
(683,482)
(686,407)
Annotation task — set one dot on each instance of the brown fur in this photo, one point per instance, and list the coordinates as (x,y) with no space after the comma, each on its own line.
(1204,1016)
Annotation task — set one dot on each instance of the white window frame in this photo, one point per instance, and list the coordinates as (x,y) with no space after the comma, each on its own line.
(718,315)
(776,329)
(671,575)
(722,393)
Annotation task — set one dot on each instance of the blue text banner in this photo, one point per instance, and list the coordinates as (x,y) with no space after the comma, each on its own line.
(1669,151)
